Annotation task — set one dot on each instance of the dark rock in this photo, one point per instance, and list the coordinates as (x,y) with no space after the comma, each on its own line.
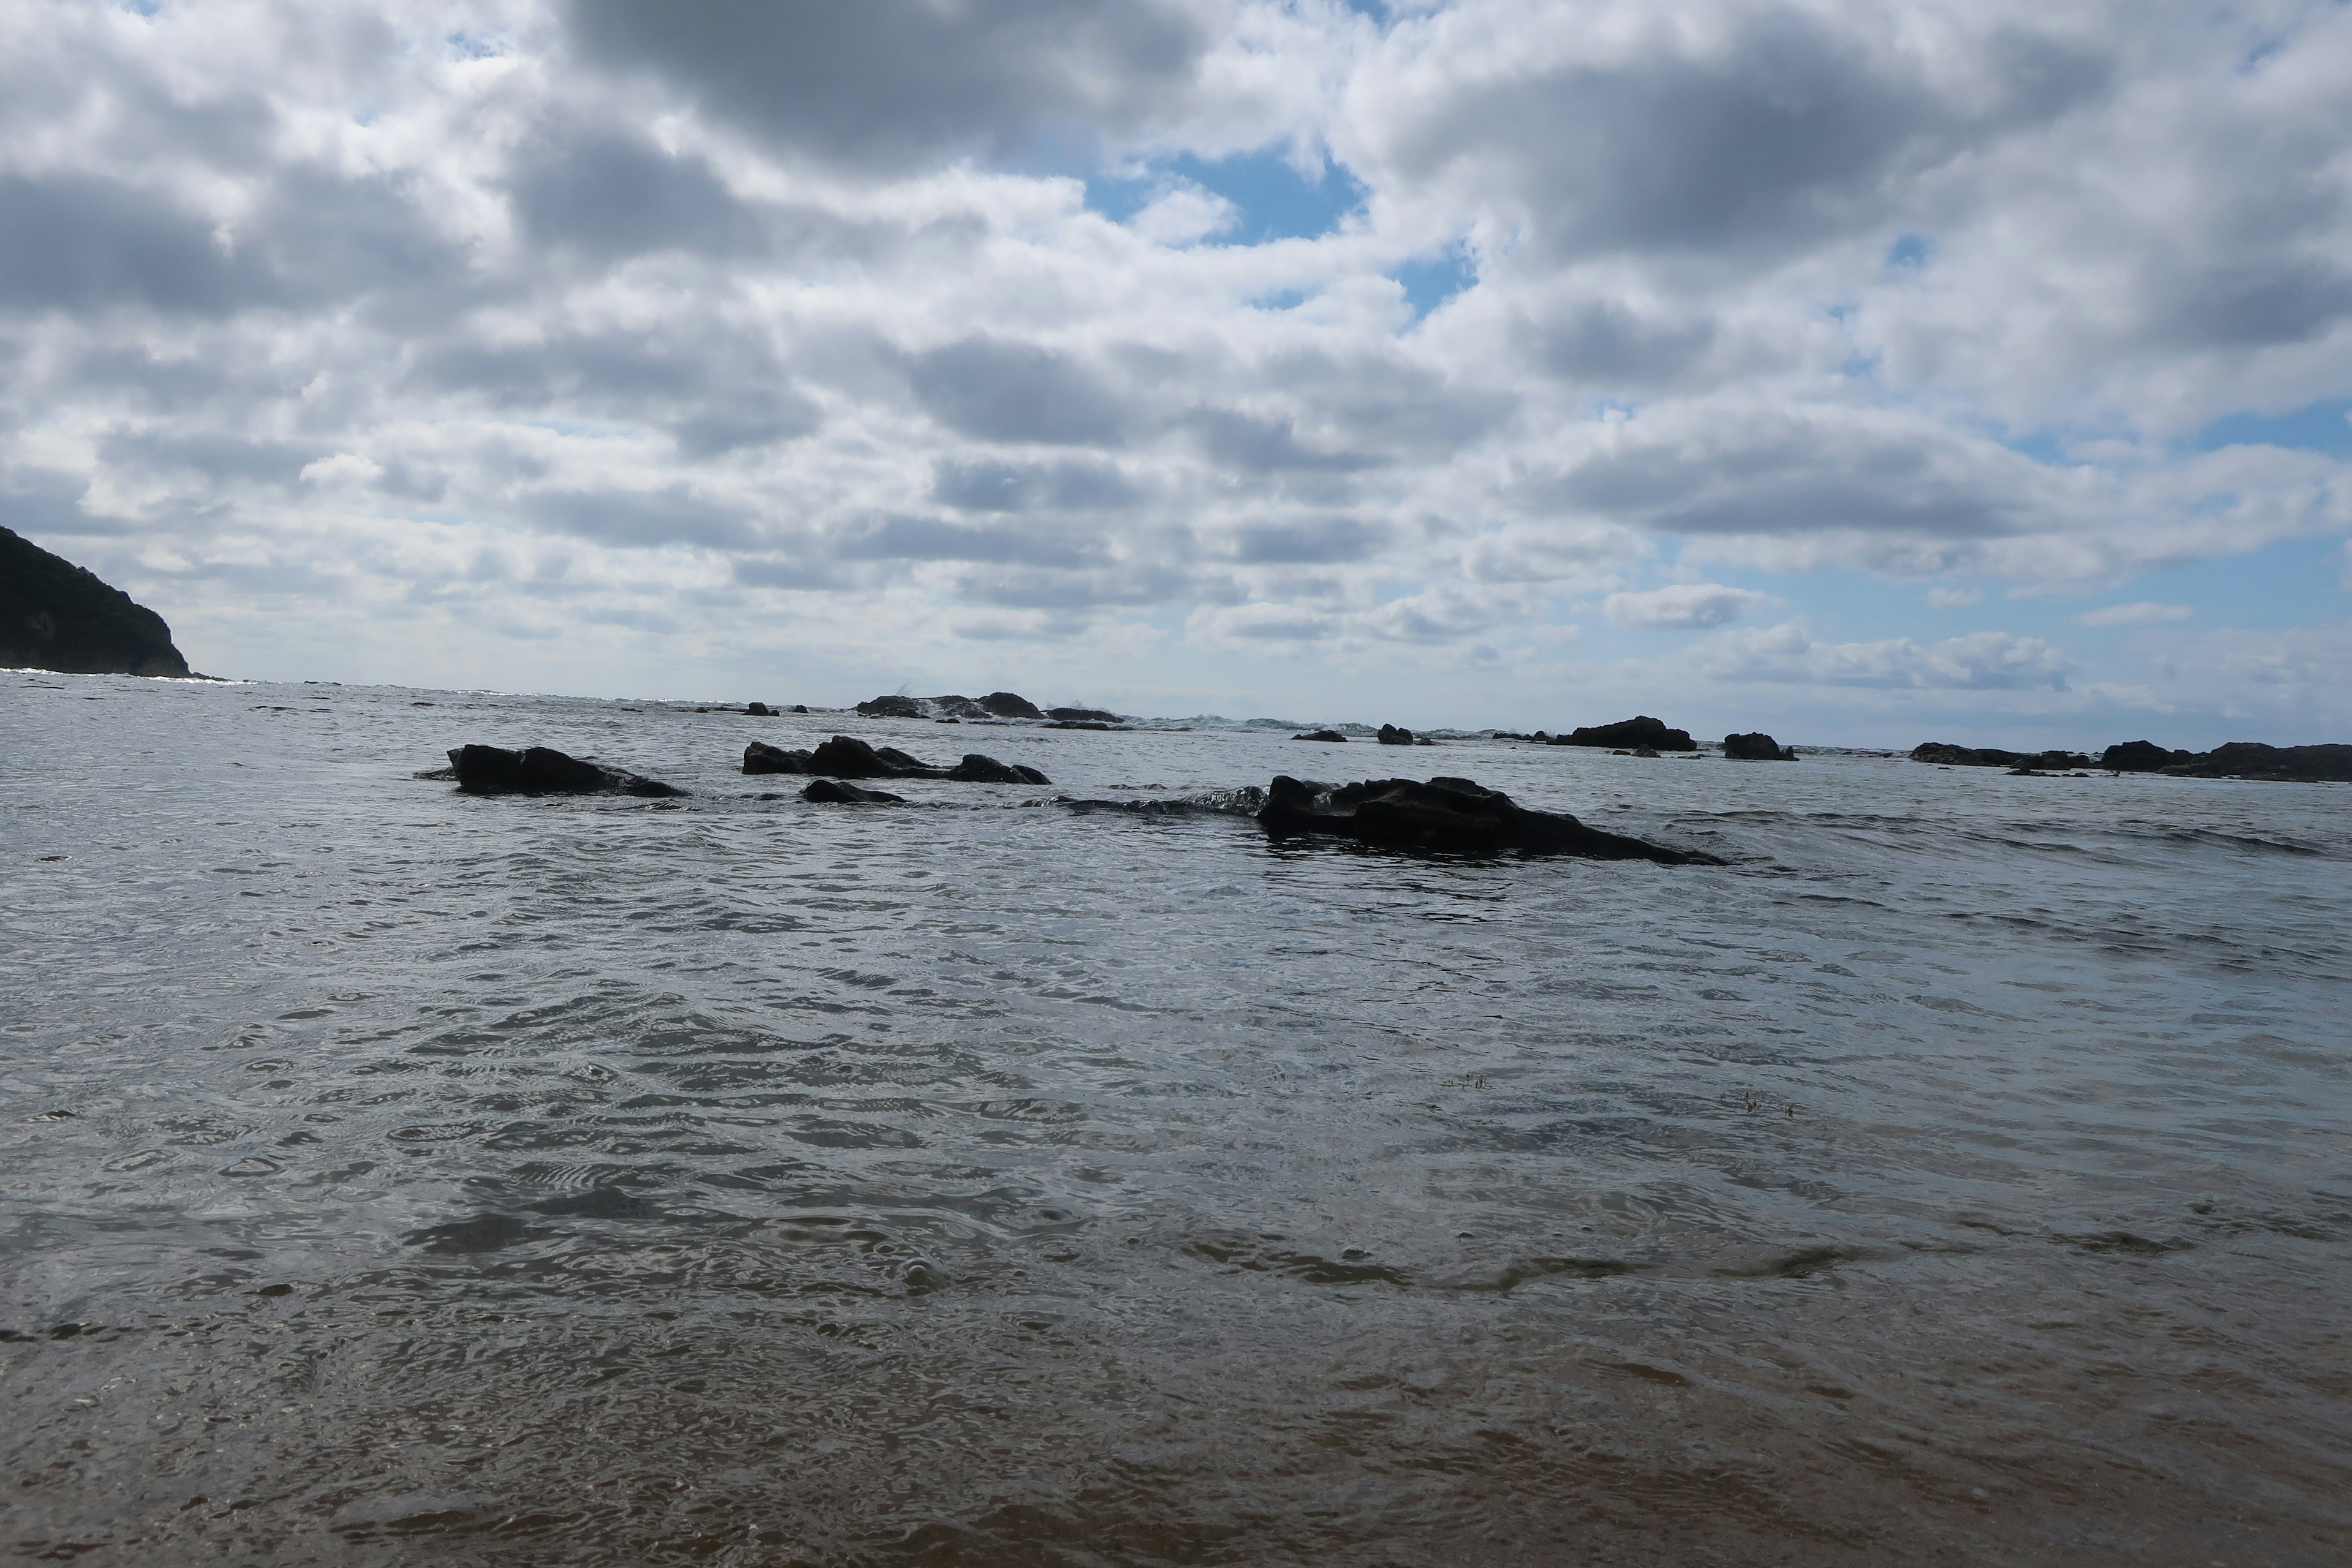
(833,792)
(1082,715)
(1395,735)
(1640,731)
(890,707)
(57,615)
(1010,705)
(760,757)
(1447,814)
(1945,755)
(949,720)
(2142,757)
(759,710)
(956,707)
(1332,735)
(799,707)
(493,770)
(1756,747)
(1083,724)
(1645,751)
(845,758)
(2284,764)
(977,769)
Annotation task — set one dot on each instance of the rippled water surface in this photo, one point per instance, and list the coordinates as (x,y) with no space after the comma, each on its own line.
(394,1176)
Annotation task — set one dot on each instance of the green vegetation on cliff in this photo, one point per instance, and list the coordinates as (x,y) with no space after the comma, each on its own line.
(57,615)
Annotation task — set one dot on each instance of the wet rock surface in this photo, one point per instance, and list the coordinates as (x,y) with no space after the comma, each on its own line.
(1639,731)
(1082,716)
(1755,746)
(541,770)
(839,792)
(1447,814)
(760,757)
(846,757)
(892,707)
(1395,735)
(1332,736)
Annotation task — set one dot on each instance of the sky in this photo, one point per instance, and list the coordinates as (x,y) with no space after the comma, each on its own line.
(1863,372)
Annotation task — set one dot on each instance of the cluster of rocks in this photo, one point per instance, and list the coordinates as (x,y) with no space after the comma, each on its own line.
(2238,760)
(1333,736)
(1757,747)
(1451,815)
(1398,735)
(1638,732)
(845,757)
(1002,705)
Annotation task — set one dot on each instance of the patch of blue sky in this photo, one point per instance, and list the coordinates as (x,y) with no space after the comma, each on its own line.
(2322,426)
(1910,251)
(1431,281)
(1272,199)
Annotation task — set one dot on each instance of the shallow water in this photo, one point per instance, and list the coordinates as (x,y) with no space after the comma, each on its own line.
(394,1176)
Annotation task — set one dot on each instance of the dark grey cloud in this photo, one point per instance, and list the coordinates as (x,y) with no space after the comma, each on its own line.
(1606,343)
(756,417)
(986,485)
(216,455)
(35,501)
(998,390)
(74,242)
(1311,542)
(614,195)
(2255,304)
(1260,446)
(643,518)
(887,83)
(1792,132)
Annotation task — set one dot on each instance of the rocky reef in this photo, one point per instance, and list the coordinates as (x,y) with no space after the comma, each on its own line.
(57,615)
(846,757)
(542,770)
(2237,759)
(1448,814)
(1639,731)
(1756,747)
(1332,736)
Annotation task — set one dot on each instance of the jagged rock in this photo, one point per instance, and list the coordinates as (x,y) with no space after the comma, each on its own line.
(833,792)
(1395,735)
(2253,760)
(956,707)
(1447,814)
(977,769)
(2142,757)
(57,615)
(890,707)
(493,770)
(760,757)
(1640,731)
(1010,705)
(1756,747)
(1332,735)
(759,711)
(843,757)
(1082,715)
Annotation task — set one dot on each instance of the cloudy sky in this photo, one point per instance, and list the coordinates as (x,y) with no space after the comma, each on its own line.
(1858,371)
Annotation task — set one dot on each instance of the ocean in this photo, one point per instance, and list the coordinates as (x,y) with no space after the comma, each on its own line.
(1960,1174)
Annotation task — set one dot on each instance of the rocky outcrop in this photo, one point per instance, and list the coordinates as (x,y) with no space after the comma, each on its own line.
(57,615)
(1945,755)
(760,757)
(845,757)
(833,792)
(1082,715)
(1639,731)
(891,708)
(1395,735)
(541,770)
(1755,746)
(1010,705)
(2253,760)
(1449,814)
(759,711)
(2141,757)
(1331,735)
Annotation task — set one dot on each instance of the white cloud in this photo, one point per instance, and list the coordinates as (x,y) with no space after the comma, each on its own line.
(1978,661)
(1685,605)
(2140,614)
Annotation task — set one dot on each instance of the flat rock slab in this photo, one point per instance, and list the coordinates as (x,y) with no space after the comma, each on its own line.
(542,770)
(1448,814)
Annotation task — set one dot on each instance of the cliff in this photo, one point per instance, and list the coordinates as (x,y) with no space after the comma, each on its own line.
(57,615)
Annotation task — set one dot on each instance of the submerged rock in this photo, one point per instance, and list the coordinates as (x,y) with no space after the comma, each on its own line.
(977,769)
(833,792)
(1945,755)
(1331,735)
(1395,735)
(541,770)
(1447,814)
(1639,731)
(1756,747)
(57,615)
(1082,715)
(760,757)
(845,757)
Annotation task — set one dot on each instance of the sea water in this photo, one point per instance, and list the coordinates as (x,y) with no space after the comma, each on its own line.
(1960,1174)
